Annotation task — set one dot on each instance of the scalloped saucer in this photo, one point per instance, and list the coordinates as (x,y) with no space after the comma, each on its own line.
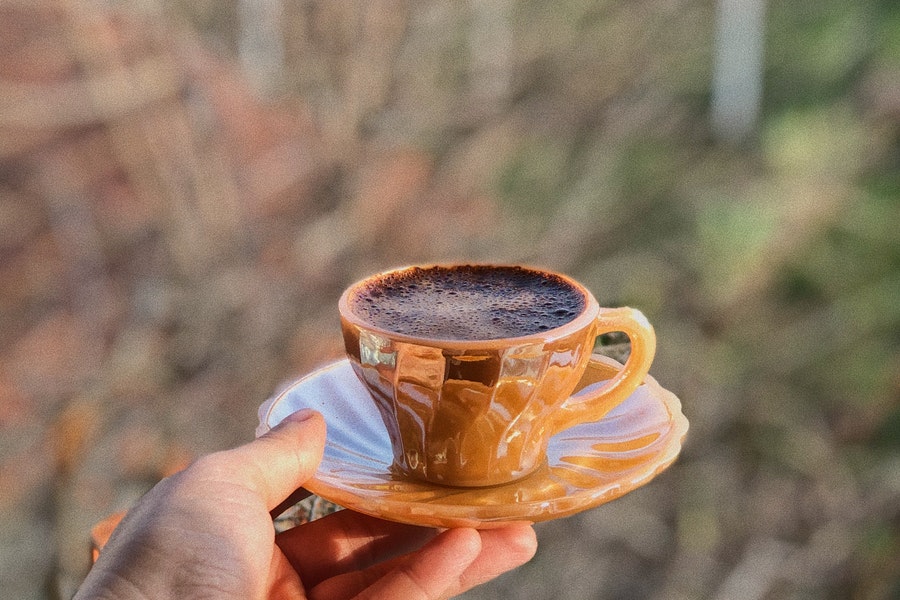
(587,465)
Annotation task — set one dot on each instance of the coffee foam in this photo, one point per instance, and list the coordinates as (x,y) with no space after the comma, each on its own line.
(468,302)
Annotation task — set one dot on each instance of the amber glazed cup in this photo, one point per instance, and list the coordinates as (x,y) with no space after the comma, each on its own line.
(480,412)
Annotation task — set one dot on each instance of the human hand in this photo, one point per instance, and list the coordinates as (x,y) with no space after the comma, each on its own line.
(207,532)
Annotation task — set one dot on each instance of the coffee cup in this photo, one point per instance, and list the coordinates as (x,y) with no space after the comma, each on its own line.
(473,367)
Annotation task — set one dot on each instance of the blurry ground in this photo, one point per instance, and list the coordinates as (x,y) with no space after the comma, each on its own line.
(172,248)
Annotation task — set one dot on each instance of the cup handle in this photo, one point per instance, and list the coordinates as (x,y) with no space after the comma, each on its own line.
(592,403)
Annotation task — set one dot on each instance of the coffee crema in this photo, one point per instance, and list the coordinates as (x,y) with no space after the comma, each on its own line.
(468,302)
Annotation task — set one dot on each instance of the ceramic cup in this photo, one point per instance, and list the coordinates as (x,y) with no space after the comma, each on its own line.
(478,407)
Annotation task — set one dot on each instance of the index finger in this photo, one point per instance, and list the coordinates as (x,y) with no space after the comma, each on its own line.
(347,541)
(432,572)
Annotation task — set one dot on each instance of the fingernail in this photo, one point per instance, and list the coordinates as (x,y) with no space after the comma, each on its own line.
(304,414)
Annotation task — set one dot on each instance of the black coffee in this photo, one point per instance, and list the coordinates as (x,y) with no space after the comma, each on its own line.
(468,302)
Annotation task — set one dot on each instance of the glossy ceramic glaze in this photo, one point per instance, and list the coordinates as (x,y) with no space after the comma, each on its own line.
(481,412)
(586,465)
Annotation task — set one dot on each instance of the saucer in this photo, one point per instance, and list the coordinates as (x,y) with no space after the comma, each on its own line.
(587,465)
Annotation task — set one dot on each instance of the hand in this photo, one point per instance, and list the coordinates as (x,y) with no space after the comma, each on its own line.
(207,532)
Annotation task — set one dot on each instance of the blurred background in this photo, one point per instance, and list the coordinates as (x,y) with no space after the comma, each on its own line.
(186,186)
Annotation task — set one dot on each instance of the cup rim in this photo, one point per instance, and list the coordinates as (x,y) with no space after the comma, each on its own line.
(584,319)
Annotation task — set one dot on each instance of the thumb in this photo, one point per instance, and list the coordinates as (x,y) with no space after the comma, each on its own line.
(283,459)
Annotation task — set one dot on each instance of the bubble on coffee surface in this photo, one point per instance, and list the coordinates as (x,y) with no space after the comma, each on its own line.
(468,302)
